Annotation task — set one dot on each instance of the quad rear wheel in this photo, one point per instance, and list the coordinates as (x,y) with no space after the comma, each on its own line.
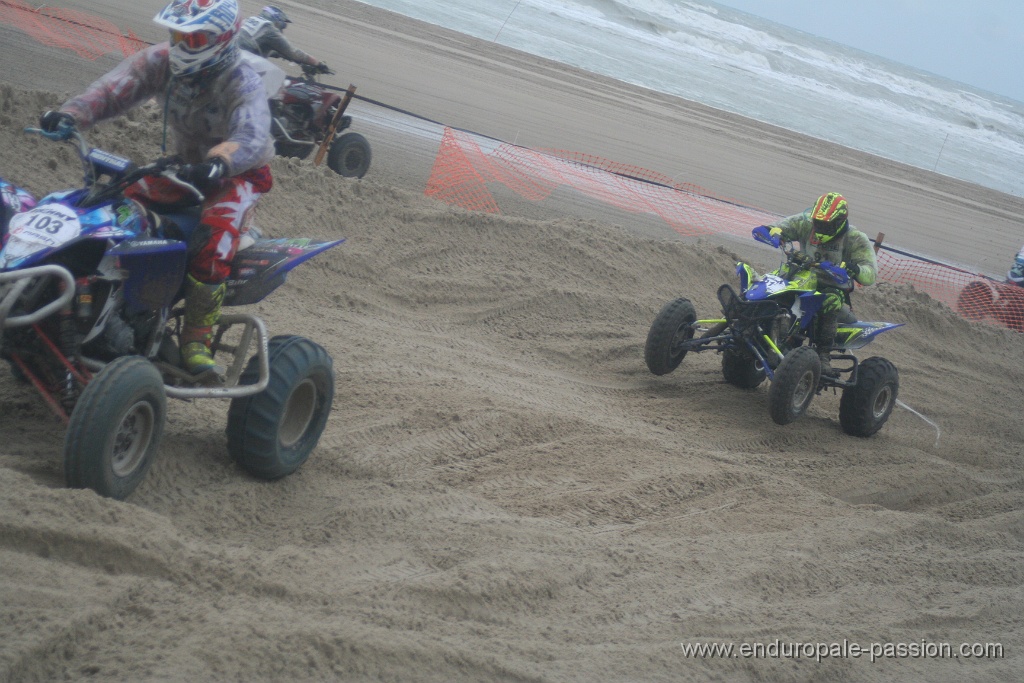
(672,327)
(795,384)
(866,406)
(115,428)
(349,155)
(270,434)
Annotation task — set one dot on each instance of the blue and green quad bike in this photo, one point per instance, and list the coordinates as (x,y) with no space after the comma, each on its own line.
(762,334)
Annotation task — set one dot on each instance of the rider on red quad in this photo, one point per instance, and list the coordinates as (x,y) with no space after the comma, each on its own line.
(825,233)
(1016,274)
(215,108)
(263,35)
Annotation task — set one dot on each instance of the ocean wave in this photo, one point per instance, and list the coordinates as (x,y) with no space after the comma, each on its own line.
(631,16)
(735,61)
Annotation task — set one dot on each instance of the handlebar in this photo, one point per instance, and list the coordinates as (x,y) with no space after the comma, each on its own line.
(166,167)
(66,134)
(796,258)
(831,271)
(56,135)
(788,247)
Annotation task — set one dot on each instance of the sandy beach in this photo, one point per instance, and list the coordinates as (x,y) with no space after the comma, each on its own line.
(503,491)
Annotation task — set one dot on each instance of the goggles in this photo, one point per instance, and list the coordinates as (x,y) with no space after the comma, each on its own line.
(193,41)
(828,228)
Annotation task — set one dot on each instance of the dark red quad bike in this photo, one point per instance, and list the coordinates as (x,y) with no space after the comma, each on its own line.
(306,115)
(1003,301)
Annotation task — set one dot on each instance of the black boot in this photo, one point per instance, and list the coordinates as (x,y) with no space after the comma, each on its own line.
(828,324)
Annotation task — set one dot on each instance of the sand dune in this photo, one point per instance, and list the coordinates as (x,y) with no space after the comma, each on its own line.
(503,491)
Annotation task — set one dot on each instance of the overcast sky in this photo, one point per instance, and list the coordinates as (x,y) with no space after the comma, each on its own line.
(979,42)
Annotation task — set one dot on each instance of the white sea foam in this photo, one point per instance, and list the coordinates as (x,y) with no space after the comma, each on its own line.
(738,62)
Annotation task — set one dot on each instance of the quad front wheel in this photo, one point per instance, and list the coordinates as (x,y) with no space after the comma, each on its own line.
(349,155)
(672,327)
(115,428)
(866,406)
(794,385)
(270,434)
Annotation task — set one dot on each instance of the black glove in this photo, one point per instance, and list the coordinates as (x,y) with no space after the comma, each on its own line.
(853,269)
(205,175)
(322,68)
(57,122)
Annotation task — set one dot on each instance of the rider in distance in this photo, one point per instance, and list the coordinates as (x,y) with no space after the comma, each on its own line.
(263,35)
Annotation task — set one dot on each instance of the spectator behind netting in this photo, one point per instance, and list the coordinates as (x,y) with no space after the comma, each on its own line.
(1016,273)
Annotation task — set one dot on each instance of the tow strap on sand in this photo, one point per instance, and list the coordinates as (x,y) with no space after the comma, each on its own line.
(938,432)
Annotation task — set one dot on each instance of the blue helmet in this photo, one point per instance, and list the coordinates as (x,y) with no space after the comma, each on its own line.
(276,16)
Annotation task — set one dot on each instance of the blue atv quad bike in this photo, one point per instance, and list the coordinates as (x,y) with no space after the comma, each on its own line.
(89,281)
(762,334)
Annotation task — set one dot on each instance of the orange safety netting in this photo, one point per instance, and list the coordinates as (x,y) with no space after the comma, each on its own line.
(88,36)
(462,171)
(993,301)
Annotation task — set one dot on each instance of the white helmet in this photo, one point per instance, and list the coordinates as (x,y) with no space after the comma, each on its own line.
(202,33)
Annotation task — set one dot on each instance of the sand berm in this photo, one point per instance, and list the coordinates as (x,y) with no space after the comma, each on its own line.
(503,491)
